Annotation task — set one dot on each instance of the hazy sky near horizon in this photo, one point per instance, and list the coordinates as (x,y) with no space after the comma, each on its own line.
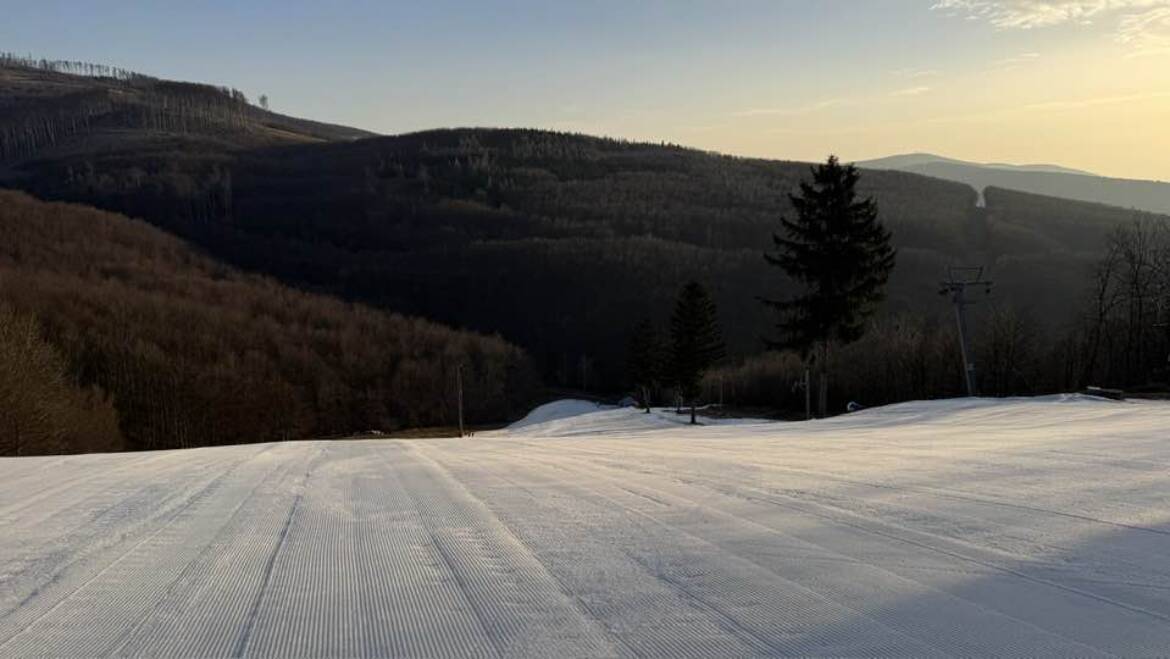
(1082,83)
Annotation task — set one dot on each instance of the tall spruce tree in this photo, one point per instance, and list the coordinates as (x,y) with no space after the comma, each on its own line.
(696,341)
(839,252)
(646,361)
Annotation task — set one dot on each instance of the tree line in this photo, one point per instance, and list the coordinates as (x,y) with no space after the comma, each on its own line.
(838,257)
(72,67)
(1125,330)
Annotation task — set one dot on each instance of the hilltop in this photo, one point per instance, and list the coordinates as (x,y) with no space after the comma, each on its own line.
(51,109)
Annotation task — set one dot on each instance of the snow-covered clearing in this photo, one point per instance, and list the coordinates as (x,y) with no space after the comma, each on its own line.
(1020,527)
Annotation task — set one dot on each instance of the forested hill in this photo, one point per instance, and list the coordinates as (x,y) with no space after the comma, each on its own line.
(71,107)
(116,335)
(560,242)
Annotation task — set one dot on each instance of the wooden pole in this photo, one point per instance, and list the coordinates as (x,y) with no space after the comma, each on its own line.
(459,389)
(807,393)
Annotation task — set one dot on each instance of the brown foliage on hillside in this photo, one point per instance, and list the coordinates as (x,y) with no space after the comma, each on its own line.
(42,410)
(196,353)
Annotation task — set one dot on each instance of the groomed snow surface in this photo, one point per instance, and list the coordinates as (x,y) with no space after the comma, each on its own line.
(1020,527)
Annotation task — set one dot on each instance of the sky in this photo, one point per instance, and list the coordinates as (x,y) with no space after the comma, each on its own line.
(1080,83)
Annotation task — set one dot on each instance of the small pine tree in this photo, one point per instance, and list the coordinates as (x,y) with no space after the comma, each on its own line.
(840,253)
(696,341)
(645,361)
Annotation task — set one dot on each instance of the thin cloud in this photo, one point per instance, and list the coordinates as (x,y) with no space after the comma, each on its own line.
(910,91)
(1016,60)
(1147,31)
(1144,25)
(914,74)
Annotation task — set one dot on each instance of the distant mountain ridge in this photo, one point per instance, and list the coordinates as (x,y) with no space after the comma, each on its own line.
(1044,179)
(903,161)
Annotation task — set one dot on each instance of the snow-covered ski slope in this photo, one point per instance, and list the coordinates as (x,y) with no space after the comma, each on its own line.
(1021,527)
